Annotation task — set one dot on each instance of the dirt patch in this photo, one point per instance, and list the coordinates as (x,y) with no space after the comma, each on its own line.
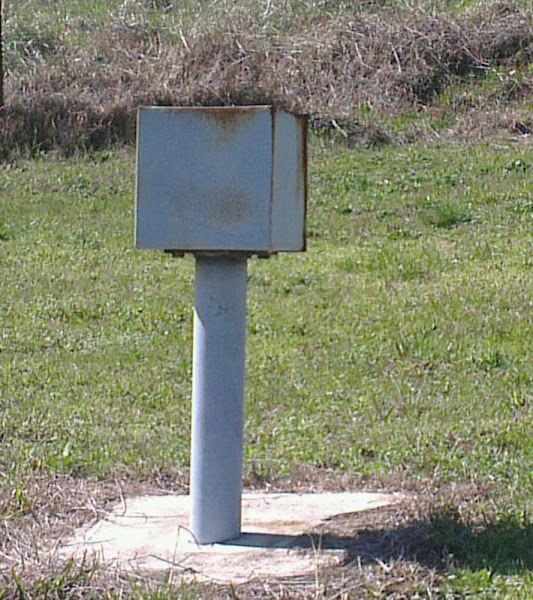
(395,551)
(43,510)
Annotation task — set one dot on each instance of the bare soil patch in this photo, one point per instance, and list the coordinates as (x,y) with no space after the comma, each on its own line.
(396,550)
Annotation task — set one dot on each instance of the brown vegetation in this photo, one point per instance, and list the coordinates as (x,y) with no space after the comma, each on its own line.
(393,552)
(351,70)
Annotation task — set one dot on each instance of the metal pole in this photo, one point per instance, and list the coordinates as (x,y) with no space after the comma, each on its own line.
(218,397)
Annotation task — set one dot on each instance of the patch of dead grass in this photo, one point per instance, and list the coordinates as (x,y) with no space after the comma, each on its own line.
(354,67)
(392,552)
(44,510)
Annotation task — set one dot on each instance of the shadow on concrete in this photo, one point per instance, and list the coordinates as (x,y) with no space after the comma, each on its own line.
(290,542)
(505,547)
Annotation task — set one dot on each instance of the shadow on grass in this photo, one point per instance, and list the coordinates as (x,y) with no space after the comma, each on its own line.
(505,547)
(443,542)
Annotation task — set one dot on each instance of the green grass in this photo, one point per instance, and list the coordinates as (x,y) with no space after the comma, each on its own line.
(413,303)
(80,300)
(413,326)
(399,343)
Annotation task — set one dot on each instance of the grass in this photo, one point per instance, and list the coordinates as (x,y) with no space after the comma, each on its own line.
(413,306)
(395,354)
(63,313)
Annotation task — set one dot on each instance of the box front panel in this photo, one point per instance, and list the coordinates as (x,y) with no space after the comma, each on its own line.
(204,178)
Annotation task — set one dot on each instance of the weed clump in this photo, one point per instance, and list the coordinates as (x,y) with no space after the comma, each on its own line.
(354,69)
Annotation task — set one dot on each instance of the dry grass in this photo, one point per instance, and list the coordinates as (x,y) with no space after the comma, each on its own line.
(349,69)
(393,552)
(44,511)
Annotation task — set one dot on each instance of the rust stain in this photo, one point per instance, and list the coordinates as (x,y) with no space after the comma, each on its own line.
(302,121)
(284,527)
(230,209)
(230,118)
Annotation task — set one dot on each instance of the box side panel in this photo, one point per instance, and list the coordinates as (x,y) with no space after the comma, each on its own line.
(289,205)
(137,159)
(204,179)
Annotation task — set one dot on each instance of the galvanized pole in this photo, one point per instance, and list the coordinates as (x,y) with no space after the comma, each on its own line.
(218,396)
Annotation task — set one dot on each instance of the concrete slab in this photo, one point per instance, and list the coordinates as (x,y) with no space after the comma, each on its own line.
(151,533)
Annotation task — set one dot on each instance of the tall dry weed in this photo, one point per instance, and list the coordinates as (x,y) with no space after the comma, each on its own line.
(346,66)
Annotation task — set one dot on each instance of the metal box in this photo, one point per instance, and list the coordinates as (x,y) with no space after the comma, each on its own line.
(221,179)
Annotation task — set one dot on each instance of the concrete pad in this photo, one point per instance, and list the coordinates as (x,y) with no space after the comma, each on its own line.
(151,533)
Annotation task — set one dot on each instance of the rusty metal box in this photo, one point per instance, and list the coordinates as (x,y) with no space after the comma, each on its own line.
(221,179)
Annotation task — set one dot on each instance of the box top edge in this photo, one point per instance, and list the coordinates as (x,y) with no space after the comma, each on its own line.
(209,108)
(236,109)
